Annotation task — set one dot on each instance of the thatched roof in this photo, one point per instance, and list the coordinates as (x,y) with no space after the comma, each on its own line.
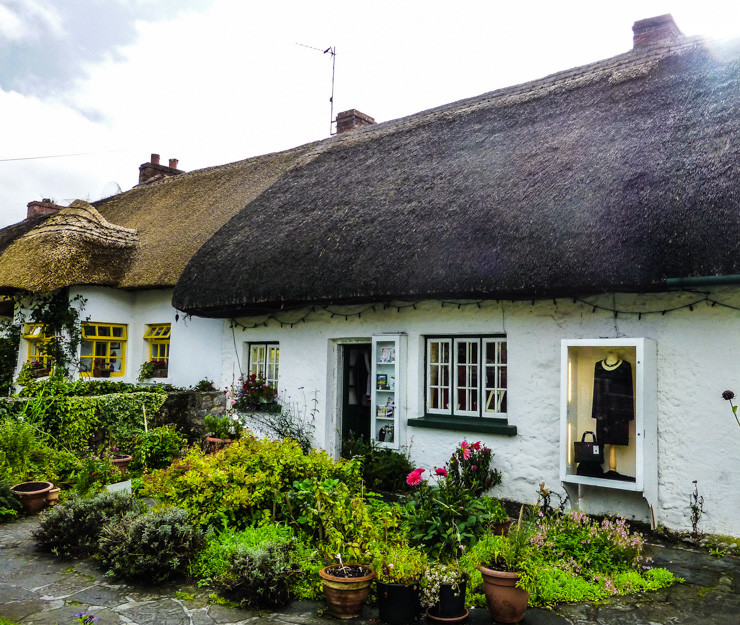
(610,177)
(75,246)
(172,218)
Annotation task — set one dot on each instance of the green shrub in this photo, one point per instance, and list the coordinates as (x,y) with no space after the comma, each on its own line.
(253,566)
(73,528)
(151,547)
(93,475)
(10,505)
(246,483)
(158,447)
(382,469)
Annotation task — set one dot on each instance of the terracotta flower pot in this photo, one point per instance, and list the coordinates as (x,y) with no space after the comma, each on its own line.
(52,497)
(398,604)
(214,444)
(506,602)
(346,595)
(120,462)
(32,495)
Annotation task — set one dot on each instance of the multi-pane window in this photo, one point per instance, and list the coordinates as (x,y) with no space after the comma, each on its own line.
(264,360)
(103,349)
(466,376)
(158,337)
(38,335)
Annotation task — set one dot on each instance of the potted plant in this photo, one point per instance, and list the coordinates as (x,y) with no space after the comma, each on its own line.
(32,495)
(222,430)
(501,561)
(119,460)
(443,592)
(346,587)
(399,569)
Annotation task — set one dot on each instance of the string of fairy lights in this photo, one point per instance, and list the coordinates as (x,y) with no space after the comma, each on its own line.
(349,312)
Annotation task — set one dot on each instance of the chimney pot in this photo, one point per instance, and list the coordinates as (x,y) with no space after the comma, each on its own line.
(173,163)
(44,207)
(155,159)
(349,120)
(659,29)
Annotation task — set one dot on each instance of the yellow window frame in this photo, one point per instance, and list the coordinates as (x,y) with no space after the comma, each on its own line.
(158,335)
(103,342)
(37,334)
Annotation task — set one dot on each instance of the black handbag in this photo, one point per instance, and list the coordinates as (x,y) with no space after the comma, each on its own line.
(589,451)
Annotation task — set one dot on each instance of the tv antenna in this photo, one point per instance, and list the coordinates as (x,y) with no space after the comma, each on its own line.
(332,51)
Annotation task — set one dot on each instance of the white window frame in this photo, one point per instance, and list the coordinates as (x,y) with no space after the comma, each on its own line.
(267,364)
(487,399)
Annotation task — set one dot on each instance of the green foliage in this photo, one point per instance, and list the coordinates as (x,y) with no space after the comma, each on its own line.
(246,483)
(170,541)
(383,469)
(437,574)
(7,621)
(94,474)
(205,385)
(284,418)
(443,521)
(158,447)
(122,414)
(10,505)
(73,528)
(10,338)
(399,564)
(224,426)
(253,566)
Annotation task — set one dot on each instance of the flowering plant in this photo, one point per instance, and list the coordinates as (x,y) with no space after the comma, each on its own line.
(729,396)
(470,468)
(437,574)
(255,393)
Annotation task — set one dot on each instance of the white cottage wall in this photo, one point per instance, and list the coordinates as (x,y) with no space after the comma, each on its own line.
(697,359)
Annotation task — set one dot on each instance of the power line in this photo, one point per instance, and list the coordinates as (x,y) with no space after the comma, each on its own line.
(33,158)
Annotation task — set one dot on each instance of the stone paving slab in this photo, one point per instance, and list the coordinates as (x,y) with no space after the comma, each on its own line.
(39,589)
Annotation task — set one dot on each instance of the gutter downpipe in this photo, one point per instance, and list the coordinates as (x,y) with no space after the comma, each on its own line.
(702,281)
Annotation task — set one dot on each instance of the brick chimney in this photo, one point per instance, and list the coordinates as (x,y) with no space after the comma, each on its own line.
(44,207)
(153,171)
(349,120)
(659,29)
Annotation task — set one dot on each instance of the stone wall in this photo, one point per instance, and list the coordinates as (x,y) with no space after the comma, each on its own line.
(187,410)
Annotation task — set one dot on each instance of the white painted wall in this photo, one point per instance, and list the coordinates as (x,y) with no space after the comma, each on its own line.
(195,343)
(698,355)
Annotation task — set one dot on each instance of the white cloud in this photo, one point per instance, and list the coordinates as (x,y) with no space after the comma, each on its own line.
(28,19)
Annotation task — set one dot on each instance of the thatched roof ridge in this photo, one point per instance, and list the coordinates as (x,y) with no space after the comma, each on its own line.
(10,233)
(75,246)
(610,177)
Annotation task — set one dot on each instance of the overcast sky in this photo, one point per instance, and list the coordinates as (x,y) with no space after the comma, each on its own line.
(90,88)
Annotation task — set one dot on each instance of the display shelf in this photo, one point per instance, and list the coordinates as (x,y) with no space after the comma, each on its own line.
(609,388)
(386,400)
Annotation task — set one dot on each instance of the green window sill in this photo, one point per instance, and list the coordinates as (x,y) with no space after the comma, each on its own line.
(464,424)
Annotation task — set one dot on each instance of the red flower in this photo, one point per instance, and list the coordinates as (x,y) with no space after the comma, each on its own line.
(414,478)
(441,471)
(476,445)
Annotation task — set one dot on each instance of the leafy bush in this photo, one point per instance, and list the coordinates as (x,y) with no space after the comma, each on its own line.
(382,469)
(253,566)
(224,426)
(73,528)
(158,447)
(94,474)
(151,547)
(245,484)
(10,505)
(469,468)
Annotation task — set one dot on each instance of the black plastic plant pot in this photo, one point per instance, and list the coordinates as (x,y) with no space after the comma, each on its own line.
(451,602)
(398,603)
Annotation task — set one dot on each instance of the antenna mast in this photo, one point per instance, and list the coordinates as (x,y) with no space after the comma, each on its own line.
(332,50)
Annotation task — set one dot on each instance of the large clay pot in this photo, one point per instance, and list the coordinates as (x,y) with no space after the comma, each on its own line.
(398,603)
(346,595)
(52,497)
(32,495)
(506,602)
(120,462)
(451,605)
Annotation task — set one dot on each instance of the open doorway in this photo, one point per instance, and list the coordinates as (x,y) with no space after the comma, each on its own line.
(355,417)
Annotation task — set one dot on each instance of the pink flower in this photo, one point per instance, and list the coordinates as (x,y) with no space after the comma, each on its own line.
(466,452)
(414,478)
(475,468)
(441,471)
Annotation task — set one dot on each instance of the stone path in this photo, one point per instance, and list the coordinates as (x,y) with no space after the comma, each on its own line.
(36,588)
